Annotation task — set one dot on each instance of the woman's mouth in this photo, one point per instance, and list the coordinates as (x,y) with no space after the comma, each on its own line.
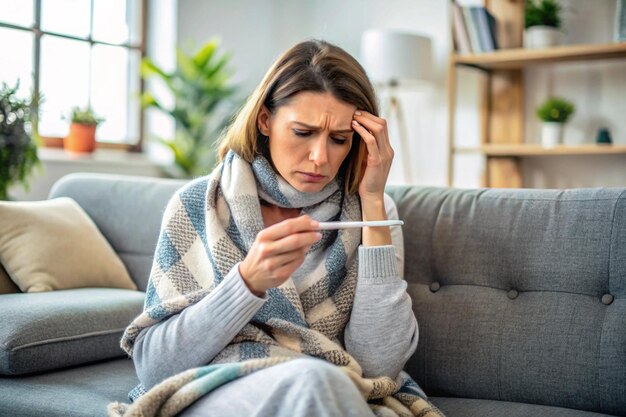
(311,176)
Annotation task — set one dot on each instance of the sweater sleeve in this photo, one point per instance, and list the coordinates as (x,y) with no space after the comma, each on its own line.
(397,238)
(382,333)
(197,334)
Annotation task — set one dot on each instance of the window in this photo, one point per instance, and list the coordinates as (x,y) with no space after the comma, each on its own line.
(77,53)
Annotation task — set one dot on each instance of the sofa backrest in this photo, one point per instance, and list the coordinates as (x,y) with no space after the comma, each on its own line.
(520,295)
(127,210)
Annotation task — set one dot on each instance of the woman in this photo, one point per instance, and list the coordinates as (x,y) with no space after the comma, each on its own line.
(292,321)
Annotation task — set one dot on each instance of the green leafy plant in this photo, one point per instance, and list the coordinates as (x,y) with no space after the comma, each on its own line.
(85,116)
(542,13)
(556,109)
(202,106)
(18,139)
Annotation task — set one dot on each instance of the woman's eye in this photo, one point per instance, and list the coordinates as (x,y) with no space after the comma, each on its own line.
(306,133)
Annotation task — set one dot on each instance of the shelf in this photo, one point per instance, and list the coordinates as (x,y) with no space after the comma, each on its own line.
(538,150)
(522,57)
(501,107)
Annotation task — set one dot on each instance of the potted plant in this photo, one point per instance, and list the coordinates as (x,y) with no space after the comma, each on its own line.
(542,23)
(554,113)
(18,139)
(82,136)
(201,90)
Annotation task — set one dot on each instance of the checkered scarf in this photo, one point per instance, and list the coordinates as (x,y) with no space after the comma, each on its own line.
(208,227)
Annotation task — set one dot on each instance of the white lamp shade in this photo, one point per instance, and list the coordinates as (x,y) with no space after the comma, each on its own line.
(392,56)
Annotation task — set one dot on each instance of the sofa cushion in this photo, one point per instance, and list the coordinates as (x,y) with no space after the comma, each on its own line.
(83,391)
(466,407)
(136,204)
(6,285)
(50,330)
(53,244)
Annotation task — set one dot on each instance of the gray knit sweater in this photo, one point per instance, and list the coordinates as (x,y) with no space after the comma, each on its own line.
(382,324)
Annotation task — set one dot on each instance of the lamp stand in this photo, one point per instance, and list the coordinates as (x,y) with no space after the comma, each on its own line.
(392,107)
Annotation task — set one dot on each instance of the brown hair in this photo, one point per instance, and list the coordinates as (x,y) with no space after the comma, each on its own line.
(315,66)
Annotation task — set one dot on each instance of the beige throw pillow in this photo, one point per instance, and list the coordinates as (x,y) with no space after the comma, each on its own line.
(53,244)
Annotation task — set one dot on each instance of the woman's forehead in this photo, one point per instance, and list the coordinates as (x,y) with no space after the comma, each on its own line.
(315,108)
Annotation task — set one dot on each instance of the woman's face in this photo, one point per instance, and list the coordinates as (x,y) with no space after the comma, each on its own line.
(309,138)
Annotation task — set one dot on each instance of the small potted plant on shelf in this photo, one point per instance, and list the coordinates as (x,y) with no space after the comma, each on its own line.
(554,113)
(82,136)
(542,23)
(18,139)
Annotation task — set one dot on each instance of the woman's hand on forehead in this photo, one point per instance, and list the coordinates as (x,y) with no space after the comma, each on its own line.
(373,131)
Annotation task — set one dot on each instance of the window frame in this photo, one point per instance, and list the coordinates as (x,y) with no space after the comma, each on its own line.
(35,29)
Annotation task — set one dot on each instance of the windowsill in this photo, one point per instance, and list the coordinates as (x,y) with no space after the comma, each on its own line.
(56,163)
(99,157)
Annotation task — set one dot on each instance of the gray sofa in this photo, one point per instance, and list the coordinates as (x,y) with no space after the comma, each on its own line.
(520,296)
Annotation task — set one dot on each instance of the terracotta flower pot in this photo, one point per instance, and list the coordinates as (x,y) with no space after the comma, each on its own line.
(82,138)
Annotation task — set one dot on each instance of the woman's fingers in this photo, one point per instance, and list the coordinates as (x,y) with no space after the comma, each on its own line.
(377,126)
(364,115)
(281,248)
(288,227)
(278,261)
(287,269)
(370,141)
(289,243)
(288,235)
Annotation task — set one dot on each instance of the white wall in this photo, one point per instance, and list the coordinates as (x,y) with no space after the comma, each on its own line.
(258,31)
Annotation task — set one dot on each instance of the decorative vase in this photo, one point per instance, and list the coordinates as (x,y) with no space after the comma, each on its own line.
(81,139)
(537,37)
(604,136)
(551,134)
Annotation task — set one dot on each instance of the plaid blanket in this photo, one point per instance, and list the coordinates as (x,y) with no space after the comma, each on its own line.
(208,227)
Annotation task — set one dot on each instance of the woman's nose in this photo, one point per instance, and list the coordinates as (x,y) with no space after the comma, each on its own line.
(319,151)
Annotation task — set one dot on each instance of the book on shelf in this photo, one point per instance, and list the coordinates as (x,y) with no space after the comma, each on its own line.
(493,29)
(486,24)
(620,21)
(459,30)
(473,29)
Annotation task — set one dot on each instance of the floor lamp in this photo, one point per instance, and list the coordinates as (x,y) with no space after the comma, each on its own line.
(395,59)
